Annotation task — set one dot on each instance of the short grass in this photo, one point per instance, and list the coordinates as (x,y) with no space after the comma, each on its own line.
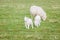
(12,27)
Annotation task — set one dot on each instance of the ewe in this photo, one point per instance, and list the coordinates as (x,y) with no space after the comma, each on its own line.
(36,10)
(28,22)
(37,20)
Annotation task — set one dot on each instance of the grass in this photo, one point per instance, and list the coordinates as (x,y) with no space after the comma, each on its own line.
(12,26)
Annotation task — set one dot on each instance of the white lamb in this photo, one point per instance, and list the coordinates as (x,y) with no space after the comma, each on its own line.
(28,22)
(36,10)
(37,20)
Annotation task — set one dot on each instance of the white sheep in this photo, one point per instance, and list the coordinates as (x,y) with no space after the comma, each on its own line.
(37,20)
(36,10)
(28,22)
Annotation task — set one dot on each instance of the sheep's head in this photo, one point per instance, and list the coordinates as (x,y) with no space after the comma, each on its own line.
(44,18)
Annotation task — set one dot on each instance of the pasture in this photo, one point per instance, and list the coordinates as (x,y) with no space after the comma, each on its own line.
(12,14)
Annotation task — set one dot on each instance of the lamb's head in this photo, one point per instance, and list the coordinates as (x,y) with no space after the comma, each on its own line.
(25,18)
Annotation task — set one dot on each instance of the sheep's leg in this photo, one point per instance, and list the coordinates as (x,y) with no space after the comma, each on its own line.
(26,26)
(37,25)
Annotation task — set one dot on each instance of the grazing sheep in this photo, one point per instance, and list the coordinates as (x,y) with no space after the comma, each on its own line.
(36,10)
(37,20)
(28,22)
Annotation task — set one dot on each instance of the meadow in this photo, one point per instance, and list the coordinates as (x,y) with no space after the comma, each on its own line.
(12,14)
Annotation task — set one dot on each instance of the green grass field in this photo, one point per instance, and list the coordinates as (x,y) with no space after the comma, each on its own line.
(12,27)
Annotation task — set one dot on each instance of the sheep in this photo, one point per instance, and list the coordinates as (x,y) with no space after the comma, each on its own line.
(37,20)
(36,10)
(28,22)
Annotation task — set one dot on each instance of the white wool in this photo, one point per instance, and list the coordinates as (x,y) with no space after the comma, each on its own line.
(28,22)
(37,20)
(36,10)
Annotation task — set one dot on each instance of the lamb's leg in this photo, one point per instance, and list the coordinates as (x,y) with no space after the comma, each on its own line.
(28,26)
(32,25)
(25,25)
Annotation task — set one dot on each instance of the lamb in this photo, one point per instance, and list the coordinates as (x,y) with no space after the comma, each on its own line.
(36,10)
(37,20)
(28,22)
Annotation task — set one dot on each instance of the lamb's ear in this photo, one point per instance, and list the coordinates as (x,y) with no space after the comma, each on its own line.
(25,16)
